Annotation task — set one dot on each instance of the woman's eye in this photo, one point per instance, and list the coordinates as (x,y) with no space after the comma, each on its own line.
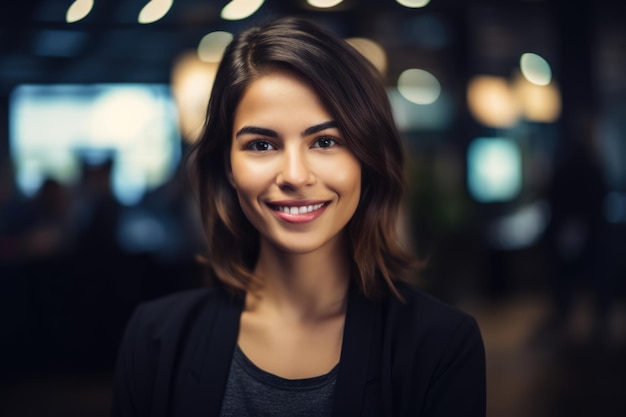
(260,146)
(324,142)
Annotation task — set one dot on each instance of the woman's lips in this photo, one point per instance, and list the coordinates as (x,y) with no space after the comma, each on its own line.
(298,211)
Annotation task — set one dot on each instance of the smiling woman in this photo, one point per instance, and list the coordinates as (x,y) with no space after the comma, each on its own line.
(299,177)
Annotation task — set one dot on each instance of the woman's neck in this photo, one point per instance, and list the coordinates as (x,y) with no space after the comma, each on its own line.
(306,287)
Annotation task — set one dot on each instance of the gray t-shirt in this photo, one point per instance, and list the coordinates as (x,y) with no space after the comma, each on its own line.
(252,392)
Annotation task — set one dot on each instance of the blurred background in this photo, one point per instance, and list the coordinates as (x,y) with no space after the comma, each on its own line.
(513,114)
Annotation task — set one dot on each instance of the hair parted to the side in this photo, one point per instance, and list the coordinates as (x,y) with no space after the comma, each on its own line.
(354,94)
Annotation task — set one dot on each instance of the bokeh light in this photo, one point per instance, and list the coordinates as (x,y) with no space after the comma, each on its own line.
(211,46)
(240,9)
(419,86)
(154,10)
(492,102)
(324,4)
(494,169)
(535,69)
(78,10)
(413,4)
(192,81)
(538,103)
(372,51)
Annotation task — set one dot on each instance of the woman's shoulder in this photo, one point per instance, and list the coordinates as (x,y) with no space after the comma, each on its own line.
(422,311)
(437,352)
(173,311)
(178,302)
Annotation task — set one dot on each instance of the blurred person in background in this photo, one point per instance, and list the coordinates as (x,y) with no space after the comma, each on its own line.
(100,265)
(577,244)
(313,310)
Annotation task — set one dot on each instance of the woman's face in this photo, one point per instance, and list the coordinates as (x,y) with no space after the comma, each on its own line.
(296,181)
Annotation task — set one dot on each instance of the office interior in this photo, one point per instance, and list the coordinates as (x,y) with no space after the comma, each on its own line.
(513,117)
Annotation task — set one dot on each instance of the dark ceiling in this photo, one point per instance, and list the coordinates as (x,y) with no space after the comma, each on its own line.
(37,46)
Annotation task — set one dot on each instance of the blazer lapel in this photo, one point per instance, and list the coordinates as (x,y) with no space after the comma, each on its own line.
(204,385)
(359,355)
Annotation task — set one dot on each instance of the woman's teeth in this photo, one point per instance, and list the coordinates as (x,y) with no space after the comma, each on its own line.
(299,210)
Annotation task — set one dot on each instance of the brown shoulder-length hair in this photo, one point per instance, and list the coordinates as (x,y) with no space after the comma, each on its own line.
(354,94)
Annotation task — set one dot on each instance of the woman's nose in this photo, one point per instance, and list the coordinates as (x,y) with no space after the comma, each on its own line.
(295,170)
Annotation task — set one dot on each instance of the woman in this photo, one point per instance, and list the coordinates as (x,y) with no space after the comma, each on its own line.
(299,176)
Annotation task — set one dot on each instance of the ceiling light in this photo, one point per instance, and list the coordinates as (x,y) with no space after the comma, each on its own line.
(78,10)
(240,9)
(324,4)
(154,10)
(413,4)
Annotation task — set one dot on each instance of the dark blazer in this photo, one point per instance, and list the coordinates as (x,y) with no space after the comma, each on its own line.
(418,358)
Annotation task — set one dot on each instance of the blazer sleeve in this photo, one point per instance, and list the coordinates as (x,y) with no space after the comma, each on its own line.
(135,370)
(458,387)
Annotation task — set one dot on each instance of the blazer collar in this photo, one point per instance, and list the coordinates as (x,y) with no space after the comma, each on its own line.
(215,338)
(359,361)
(360,354)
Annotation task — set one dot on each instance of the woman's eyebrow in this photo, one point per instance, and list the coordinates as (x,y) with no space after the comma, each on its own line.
(256,131)
(318,128)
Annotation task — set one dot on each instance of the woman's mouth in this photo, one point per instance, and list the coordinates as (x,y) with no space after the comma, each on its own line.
(298,212)
(299,209)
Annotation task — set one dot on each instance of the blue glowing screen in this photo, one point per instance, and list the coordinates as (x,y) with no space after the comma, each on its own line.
(55,129)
